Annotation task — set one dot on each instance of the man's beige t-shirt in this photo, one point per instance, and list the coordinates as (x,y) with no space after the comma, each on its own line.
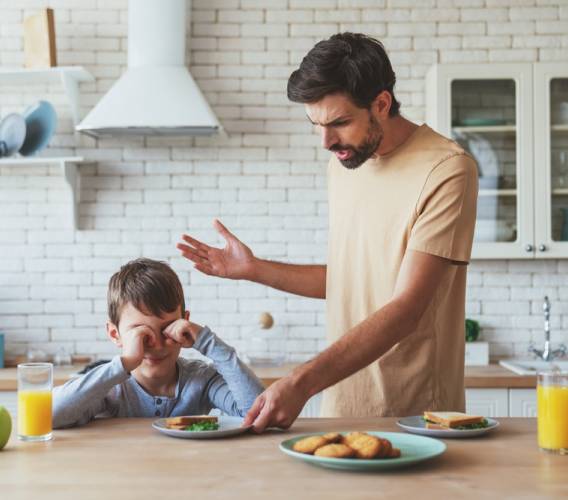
(422,196)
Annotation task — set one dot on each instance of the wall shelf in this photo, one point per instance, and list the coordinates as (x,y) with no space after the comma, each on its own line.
(497,192)
(68,76)
(69,170)
(485,129)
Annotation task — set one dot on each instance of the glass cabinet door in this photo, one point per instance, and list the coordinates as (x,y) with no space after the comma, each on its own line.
(559,158)
(483,114)
(551,160)
(488,110)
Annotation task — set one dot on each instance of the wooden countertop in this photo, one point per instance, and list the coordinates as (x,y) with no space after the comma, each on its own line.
(495,376)
(492,376)
(127,459)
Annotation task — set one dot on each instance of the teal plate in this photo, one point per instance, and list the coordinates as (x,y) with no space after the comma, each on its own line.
(413,449)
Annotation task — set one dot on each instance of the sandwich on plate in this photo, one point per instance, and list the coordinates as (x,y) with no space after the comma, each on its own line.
(446,420)
(193,423)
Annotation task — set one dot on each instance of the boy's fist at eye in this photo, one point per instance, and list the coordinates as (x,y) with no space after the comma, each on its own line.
(133,343)
(182,332)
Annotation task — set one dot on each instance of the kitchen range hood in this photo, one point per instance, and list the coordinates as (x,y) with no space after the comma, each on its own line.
(157,95)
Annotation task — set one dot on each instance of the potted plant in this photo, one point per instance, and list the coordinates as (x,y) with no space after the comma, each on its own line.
(476,353)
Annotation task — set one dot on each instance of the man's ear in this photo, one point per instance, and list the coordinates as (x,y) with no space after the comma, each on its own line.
(382,104)
(186,315)
(112,332)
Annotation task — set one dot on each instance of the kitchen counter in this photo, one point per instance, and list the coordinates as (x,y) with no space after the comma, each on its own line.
(126,458)
(61,374)
(492,376)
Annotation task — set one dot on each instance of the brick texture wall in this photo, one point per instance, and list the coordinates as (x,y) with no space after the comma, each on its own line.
(265,179)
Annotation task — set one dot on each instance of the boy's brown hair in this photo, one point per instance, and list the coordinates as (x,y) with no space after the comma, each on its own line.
(149,285)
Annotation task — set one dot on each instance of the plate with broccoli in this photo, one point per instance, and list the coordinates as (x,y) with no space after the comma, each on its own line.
(200,427)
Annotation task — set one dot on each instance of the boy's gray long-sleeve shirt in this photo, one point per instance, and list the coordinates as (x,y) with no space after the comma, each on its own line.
(110,391)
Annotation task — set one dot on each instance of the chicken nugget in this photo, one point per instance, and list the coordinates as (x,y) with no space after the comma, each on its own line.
(385,448)
(394,453)
(366,446)
(335,451)
(332,437)
(352,436)
(309,445)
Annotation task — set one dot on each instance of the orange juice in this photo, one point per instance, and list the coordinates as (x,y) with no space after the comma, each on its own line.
(34,413)
(553,417)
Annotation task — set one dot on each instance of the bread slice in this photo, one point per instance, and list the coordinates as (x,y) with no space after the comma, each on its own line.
(452,419)
(183,422)
(436,427)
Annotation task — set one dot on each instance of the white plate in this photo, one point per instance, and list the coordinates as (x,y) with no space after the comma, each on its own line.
(12,133)
(416,425)
(228,426)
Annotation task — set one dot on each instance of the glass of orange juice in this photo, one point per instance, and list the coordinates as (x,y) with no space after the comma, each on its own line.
(35,381)
(552,412)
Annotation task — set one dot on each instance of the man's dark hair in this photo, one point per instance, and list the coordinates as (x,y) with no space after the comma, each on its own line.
(350,63)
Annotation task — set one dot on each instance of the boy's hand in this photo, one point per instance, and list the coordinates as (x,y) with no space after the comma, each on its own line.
(133,342)
(183,332)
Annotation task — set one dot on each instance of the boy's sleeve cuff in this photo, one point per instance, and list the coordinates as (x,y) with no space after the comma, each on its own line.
(202,338)
(116,369)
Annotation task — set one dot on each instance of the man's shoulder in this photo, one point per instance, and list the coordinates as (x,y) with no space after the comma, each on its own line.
(439,147)
(443,155)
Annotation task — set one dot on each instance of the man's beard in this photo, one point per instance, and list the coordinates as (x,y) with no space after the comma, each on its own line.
(363,152)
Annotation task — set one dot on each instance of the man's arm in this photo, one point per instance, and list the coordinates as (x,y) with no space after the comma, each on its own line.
(236,261)
(305,280)
(418,280)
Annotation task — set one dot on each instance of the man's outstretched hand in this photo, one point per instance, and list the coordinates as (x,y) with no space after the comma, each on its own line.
(235,261)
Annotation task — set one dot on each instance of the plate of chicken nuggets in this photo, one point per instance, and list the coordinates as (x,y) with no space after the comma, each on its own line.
(362,451)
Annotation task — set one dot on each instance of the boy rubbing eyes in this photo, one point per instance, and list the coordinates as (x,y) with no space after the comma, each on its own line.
(149,322)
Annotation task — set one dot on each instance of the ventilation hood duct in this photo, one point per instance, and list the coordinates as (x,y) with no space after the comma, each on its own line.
(157,95)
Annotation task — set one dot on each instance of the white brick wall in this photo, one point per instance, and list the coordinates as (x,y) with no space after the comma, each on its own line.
(266,180)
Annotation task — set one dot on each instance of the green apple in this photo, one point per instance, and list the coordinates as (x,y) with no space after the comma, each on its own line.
(5,426)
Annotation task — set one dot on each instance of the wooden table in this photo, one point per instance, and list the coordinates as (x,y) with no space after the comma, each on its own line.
(126,458)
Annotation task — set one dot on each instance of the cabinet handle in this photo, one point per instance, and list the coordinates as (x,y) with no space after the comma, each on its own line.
(528,247)
(542,248)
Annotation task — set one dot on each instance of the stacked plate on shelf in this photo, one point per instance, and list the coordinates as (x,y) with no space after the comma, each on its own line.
(493,230)
(28,133)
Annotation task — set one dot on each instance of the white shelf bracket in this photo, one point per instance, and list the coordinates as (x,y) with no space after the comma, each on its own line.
(69,170)
(71,87)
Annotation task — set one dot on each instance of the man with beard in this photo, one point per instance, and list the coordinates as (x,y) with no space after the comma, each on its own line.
(402,206)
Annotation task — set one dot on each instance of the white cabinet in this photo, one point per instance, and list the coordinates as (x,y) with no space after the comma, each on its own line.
(513,118)
(501,402)
(551,159)
(522,402)
(487,402)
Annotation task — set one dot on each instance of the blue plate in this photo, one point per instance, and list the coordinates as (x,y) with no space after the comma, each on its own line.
(416,425)
(12,134)
(228,426)
(41,122)
(413,449)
